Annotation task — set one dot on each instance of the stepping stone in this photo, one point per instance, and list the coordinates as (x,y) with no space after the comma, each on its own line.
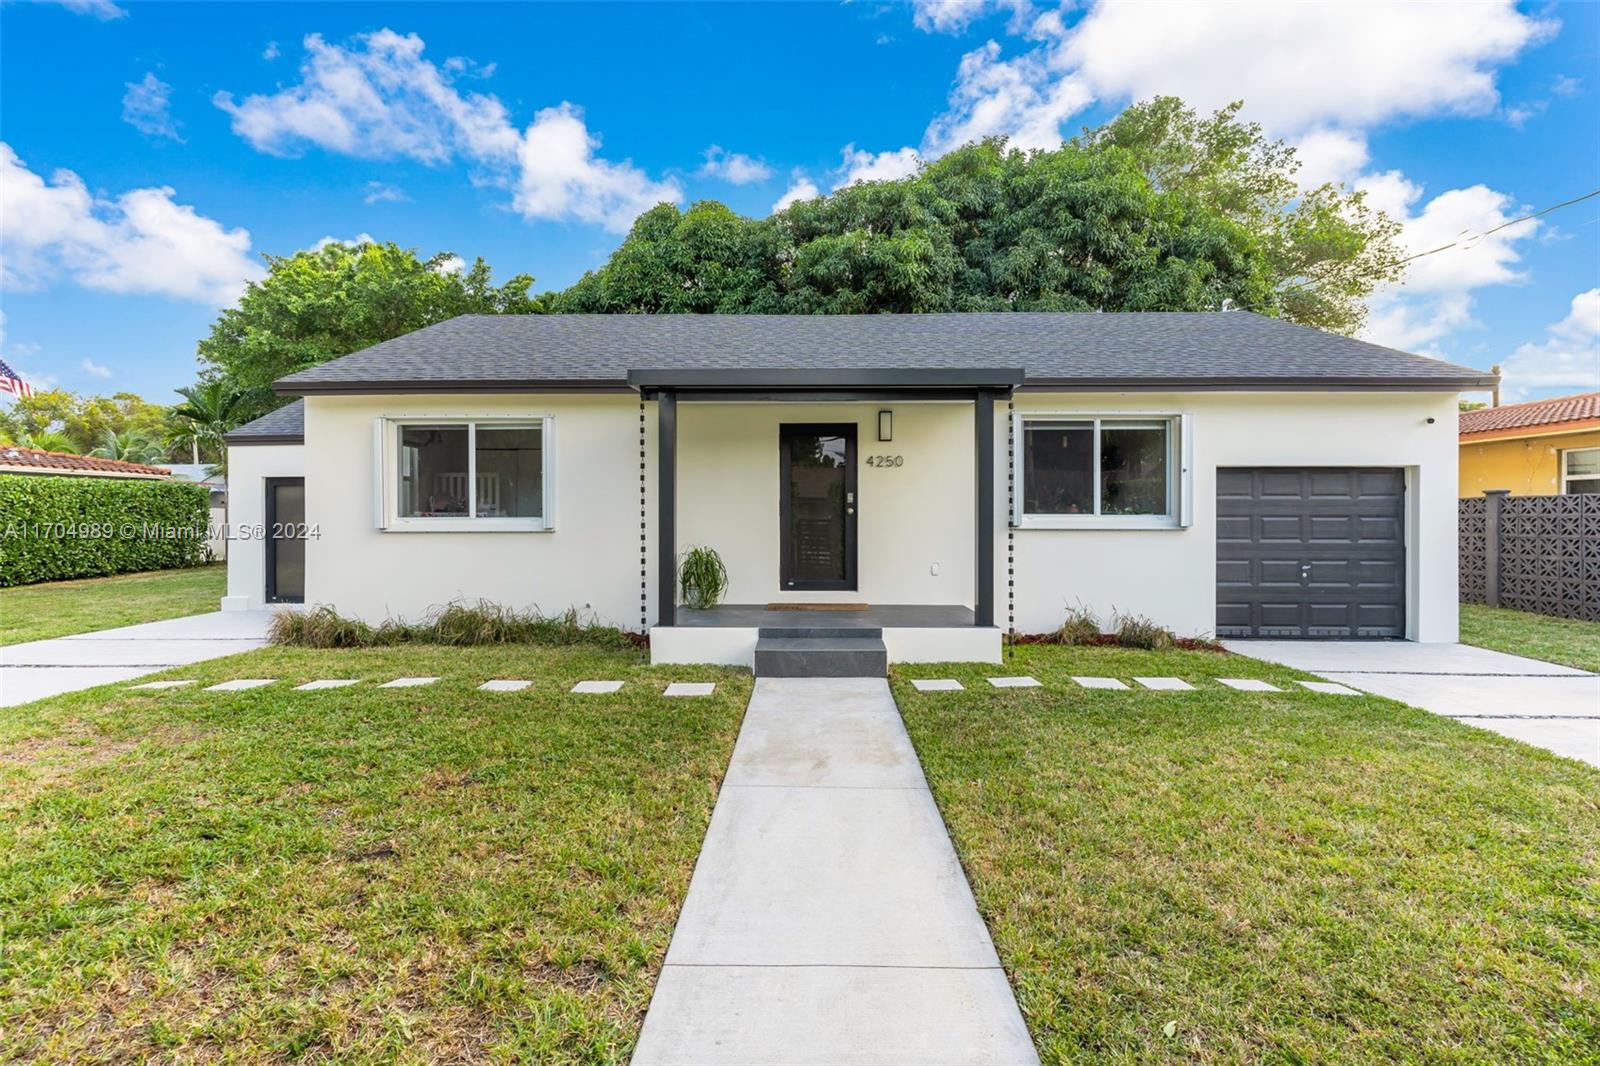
(689,688)
(1332,688)
(1013,682)
(1165,684)
(1100,682)
(408,682)
(1248,684)
(504,685)
(331,682)
(596,687)
(166,684)
(241,683)
(942,684)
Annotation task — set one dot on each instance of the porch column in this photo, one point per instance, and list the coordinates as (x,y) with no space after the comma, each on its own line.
(983,424)
(667,506)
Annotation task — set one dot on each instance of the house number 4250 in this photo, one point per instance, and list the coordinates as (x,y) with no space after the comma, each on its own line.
(886,460)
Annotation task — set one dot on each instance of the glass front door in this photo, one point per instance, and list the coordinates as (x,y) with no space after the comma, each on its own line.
(817,505)
(286,544)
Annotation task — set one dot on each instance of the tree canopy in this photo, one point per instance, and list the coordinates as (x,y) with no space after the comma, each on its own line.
(1157,210)
(57,420)
(315,305)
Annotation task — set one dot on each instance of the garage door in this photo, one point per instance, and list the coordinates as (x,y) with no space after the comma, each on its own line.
(1317,552)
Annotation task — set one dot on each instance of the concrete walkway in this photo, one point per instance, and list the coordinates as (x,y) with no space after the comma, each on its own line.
(43,668)
(1552,707)
(828,920)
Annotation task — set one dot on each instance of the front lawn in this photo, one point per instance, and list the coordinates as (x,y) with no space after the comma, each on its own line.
(1218,877)
(1567,641)
(424,874)
(60,608)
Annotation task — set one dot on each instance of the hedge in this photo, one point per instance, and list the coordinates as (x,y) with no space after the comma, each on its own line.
(55,528)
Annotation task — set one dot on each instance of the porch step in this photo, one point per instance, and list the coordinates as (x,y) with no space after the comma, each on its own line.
(805,632)
(828,656)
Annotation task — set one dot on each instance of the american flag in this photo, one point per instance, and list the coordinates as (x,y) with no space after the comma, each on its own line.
(10,382)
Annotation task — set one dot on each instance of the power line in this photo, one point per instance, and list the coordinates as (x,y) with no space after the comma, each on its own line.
(1459,243)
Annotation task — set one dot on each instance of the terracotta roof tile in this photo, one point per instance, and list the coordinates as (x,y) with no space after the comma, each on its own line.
(13,457)
(1579,408)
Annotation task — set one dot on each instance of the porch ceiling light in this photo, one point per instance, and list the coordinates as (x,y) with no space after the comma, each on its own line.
(886,425)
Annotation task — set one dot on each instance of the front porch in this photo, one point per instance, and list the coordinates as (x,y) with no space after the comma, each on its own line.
(857,520)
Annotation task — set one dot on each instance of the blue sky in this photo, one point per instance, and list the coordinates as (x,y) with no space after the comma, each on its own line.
(198,136)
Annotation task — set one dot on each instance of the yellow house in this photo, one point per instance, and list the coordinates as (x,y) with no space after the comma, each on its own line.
(1533,449)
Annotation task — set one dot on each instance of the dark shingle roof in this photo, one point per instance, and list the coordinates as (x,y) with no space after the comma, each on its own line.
(286,425)
(1139,349)
(1583,407)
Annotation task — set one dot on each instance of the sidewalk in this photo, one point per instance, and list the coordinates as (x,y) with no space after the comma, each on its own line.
(43,668)
(828,919)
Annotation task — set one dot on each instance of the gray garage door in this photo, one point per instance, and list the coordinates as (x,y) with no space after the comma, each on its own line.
(1317,552)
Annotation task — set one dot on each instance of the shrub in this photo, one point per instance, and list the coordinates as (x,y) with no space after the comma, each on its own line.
(1136,631)
(1081,627)
(454,624)
(56,528)
(702,579)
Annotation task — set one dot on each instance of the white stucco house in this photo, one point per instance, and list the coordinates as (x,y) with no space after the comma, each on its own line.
(928,481)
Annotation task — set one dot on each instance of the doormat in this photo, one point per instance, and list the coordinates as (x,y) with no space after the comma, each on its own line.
(818,607)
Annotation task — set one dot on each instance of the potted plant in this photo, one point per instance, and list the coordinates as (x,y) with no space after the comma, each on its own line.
(702,579)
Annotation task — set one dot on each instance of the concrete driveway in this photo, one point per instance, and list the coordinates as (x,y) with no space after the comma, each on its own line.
(1552,707)
(43,668)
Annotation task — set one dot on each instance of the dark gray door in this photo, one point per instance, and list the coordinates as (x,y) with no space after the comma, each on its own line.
(817,506)
(286,544)
(1315,552)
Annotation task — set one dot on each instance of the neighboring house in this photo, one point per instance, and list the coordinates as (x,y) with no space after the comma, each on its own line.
(211,477)
(1532,449)
(961,474)
(18,460)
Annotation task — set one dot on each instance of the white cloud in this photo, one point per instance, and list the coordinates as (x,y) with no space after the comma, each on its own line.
(1569,356)
(1563,85)
(561,177)
(358,239)
(380,99)
(1019,98)
(800,188)
(270,52)
(947,16)
(147,107)
(733,167)
(100,9)
(1330,155)
(140,242)
(382,193)
(862,165)
(94,369)
(1434,298)
(1298,66)
(451,265)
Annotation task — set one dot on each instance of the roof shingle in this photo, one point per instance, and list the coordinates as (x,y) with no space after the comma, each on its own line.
(286,425)
(1580,408)
(1149,349)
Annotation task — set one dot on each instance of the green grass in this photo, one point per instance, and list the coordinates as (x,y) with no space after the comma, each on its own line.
(1220,877)
(1567,641)
(60,608)
(426,874)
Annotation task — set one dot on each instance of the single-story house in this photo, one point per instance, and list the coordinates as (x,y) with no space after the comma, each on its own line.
(1542,448)
(933,480)
(15,459)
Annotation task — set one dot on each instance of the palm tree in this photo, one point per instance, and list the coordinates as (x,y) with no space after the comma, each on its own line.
(129,446)
(46,440)
(210,411)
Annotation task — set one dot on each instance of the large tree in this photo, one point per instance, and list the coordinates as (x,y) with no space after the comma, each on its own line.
(80,423)
(1157,210)
(315,305)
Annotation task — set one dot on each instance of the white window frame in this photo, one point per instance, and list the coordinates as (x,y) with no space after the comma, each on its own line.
(386,475)
(1180,480)
(1566,475)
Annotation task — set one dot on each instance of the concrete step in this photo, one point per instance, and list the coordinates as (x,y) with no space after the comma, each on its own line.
(871,632)
(831,656)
